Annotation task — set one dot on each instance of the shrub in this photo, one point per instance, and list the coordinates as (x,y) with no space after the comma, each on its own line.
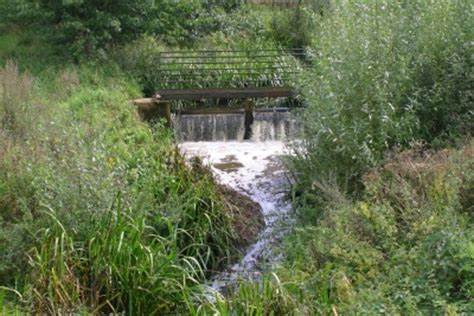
(90,27)
(385,73)
(141,60)
(294,28)
(406,247)
(443,74)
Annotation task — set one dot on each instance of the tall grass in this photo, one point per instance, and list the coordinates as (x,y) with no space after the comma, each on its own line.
(98,211)
(269,296)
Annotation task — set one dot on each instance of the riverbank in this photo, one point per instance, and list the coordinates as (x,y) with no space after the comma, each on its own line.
(405,246)
(99,210)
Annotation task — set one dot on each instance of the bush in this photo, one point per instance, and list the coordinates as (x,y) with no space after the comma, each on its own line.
(406,247)
(444,70)
(385,73)
(90,27)
(141,60)
(294,28)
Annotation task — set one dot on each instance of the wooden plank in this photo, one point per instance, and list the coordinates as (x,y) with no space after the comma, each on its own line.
(212,110)
(223,93)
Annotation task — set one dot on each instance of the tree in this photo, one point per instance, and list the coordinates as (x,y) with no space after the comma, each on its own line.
(94,26)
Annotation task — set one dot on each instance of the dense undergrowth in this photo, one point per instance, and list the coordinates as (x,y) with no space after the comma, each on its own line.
(380,233)
(386,73)
(99,214)
(405,247)
(98,211)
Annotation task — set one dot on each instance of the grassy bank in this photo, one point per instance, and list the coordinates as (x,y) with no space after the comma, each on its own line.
(98,211)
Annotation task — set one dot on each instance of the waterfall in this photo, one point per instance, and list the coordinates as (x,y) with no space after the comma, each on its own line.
(209,127)
(273,125)
(268,125)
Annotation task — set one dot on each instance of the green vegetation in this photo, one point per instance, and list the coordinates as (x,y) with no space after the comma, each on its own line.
(97,209)
(387,73)
(100,214)
(404,248)
(88,28)
(378,232)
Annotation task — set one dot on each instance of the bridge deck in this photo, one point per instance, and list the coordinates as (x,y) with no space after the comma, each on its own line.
(223,93)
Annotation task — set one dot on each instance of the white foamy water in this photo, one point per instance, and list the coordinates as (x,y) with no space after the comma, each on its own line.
(257,171)
(267,126)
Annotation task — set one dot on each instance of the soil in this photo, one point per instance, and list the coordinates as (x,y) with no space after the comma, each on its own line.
(247,216)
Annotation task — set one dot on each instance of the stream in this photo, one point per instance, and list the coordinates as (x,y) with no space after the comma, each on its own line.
(252,167)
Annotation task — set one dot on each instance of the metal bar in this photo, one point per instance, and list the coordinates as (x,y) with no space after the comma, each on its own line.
(204,74)
(213,110)
(269,64)
(203,82)
(224,81)
(223,68)
(232,51)
(221,62)
(230,56)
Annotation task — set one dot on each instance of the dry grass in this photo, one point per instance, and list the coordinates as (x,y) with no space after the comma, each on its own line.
(15,96)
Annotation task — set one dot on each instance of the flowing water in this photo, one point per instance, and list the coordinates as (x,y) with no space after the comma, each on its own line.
(268,125)
(252,167)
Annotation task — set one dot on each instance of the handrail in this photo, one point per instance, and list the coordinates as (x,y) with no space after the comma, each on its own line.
(224,69)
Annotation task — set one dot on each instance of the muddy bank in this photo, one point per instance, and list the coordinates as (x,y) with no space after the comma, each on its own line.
(247,216)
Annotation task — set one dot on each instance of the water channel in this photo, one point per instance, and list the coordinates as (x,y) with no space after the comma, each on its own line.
(252,167)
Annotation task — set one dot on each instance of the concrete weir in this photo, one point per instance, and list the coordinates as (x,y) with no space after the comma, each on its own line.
(150,109)
(222,123)
(256,125)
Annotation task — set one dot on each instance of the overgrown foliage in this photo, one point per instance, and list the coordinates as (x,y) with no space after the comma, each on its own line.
(96,27)
(385,73)
(380,233)
(100,214)
(406,247)
(97,210)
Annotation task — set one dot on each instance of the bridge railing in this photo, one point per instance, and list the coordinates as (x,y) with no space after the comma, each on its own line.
(215,69)
(277,3)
